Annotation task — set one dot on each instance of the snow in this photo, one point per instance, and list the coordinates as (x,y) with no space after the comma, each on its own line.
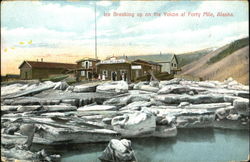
(118,145)
(117,87)
(84,88)
(97,108)
(13,88)
(134,124)
(116,61)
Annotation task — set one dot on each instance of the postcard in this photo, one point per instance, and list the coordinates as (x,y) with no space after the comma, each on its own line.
(138,81)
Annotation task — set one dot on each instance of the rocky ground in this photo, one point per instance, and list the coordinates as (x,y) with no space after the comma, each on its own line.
(51,113)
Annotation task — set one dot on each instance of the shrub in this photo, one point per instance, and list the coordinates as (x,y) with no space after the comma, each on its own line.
(234,46)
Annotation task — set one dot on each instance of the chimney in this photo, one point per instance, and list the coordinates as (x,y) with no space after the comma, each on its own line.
(41,59)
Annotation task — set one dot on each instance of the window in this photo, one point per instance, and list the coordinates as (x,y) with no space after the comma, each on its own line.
(83,65)
(82,73)
(86,64)
(172,64)
(90,63)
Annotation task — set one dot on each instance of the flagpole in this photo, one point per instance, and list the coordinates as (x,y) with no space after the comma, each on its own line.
(95,35)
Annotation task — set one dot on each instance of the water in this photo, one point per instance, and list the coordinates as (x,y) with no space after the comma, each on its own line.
(208,145)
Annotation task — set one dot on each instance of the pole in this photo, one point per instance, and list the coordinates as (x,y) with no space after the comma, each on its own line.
(95,35)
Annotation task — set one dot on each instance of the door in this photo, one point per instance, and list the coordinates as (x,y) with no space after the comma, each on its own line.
(123,75)
(26,75)
(114,76)
(137,73)
(89,75)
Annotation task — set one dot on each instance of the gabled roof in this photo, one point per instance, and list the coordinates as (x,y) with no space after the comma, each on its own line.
(118,61)
(87,59)
(154,57)
(49,65)
(148,62)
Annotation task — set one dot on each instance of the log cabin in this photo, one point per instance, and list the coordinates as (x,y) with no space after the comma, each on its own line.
(121,69)
(169,62)
(86,68)
(41,70)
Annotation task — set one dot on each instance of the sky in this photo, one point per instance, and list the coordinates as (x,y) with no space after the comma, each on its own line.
(64,31)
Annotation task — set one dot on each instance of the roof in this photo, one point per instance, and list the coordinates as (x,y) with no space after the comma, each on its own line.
(153,57)
(87,59)
(54,65)
(12,75)
(149,62)
(119,61)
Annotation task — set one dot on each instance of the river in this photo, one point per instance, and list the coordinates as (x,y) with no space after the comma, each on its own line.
(217,145)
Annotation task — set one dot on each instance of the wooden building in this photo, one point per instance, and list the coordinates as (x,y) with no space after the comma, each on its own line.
(154,66)
(86,68)
(10,77)
(169,62)
(121,69)
(40,69)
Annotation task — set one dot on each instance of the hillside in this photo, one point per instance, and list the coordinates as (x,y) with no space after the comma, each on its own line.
(231,60)
(186,58)
(234,46)
(183,58)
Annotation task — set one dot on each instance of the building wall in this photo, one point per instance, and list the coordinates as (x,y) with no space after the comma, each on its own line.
(169,67)
(131,74)
(25,72)
(135,73)
(115,68)
(87,73)
(165,67)
(9,78)
(173,65)
(81,64)
(148,66)
(40,73)
(156,68)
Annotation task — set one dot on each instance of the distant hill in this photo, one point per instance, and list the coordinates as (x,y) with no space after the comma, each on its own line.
(234,46)
(231,60)
(150,57)
(187,58)
(182,59)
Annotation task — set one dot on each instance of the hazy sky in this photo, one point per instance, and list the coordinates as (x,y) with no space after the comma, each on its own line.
(63,31)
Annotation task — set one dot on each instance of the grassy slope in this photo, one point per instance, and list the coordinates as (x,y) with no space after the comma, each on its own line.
(234,64)
(234,46)
(186,58)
